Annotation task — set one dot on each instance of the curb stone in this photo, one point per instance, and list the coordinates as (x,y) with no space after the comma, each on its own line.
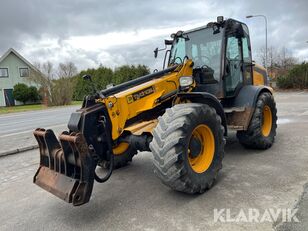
(18,150)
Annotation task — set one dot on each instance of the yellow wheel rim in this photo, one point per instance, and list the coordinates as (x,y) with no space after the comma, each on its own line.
(202,161)
(120,149)
(267,121)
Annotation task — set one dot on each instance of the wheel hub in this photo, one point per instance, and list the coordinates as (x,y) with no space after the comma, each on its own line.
(267,121)
(195,147)
(201,148)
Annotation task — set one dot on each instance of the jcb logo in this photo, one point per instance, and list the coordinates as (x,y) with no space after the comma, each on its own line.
(130,99)
(140,94)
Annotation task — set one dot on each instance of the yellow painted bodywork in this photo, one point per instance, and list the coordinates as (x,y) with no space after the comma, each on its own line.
(122,106)
(129,103)
(142,127)
(121,148)
(258,77)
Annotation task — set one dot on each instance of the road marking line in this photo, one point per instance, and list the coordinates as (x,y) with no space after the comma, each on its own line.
(17,133)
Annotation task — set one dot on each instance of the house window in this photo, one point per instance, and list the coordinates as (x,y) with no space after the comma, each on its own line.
(24,72)
(4,72)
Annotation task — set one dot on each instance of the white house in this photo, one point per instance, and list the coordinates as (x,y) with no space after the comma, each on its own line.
(13,69)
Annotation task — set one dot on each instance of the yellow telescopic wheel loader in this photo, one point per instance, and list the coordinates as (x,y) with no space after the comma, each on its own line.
(181,114)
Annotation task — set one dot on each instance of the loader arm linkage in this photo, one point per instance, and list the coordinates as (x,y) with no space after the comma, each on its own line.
(67,167)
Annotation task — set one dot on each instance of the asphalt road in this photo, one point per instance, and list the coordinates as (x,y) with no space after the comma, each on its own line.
(16,128)
(19,123)
(134,199)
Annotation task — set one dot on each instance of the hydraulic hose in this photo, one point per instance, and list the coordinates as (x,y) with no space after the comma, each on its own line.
(108,174)
(109,154)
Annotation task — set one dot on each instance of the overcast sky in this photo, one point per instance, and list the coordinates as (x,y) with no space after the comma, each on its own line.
(113,33)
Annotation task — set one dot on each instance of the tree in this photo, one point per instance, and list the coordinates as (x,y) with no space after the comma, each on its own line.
(297,77)
(63,87)
(57,85)
(43,76)
(33,94)
(103,76)
(63,84)
(262,56)
(279,62)
(125,73)
(67,70)
(21,92)
(285,59)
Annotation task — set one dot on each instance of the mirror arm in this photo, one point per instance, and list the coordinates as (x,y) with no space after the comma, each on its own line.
(167,42)
(164,64)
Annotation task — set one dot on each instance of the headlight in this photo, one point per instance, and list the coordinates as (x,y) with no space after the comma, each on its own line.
(186,81)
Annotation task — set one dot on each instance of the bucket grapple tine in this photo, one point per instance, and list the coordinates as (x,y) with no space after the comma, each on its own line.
(50,145)
(84,165)
(44,158)
(69,160)
(66,166)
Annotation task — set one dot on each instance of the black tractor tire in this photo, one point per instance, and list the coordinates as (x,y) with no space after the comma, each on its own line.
(254,137)
(171,147)
(120,160)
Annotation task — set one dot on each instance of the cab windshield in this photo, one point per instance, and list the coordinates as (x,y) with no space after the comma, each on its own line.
(202,46)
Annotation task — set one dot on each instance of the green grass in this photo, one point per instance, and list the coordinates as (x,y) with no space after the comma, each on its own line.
(34,107)
(76,103)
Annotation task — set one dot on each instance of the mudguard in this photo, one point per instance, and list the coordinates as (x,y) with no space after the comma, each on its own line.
(209,99)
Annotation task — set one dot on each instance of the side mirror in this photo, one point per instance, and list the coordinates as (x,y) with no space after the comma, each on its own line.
(92,84)
(168,42)
(155,52)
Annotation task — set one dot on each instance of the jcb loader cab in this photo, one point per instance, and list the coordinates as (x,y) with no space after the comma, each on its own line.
(181,114)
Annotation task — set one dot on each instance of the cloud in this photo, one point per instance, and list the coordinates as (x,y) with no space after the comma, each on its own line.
(112,33)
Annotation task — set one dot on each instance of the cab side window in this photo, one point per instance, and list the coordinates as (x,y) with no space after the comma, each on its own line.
(234,61)
(233,48)
(246,50)
(247,61)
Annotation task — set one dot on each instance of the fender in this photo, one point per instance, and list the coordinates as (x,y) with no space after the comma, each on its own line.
(209,99)
(248,95)
(247,98)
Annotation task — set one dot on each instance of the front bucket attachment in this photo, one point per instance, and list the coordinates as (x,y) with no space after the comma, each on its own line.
(67,168)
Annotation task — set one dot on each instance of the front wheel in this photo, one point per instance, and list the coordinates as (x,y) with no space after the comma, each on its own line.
(123,154)
(261,131)
(188,147)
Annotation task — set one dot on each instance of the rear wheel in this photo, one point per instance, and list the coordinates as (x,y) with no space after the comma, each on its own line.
(188,147)
(123,154)
(262,128)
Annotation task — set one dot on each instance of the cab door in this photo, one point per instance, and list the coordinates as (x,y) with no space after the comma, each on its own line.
(234,63)
(247,60)
(238,62)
